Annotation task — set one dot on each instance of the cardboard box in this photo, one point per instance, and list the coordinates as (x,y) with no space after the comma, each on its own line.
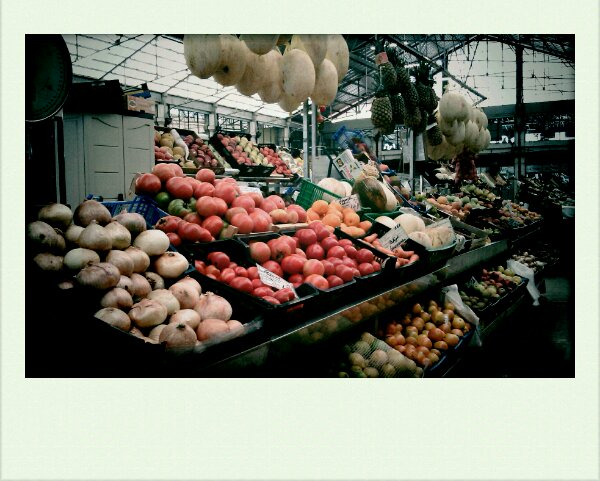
(140,104)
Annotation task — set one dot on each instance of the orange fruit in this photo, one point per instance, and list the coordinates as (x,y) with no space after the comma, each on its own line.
(320,207)
(351,219)
(336,206)
(365,225)
(332,220)
(312,215)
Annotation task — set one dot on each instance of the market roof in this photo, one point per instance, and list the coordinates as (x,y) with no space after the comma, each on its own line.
(158,61)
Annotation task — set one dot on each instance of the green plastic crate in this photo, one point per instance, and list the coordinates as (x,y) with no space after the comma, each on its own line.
(310,192)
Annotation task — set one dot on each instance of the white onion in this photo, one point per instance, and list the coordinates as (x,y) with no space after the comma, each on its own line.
(193,282)
(210,328)
(73,232)
(90,210)
(117,297)
(154,334)
(188,316)
(166,298)
(186,294)
(76,259)
(122,260)
(115,317)
(212,306)
(125,283)
(156,282)
(57,215)
(171,265)
(99,276)
(44,237)
(132,221)
(141,260)
(134,331)
(140,286)
(49,262)
(235,326)
(148,313)
(119,235)
(152,242)
(95,237)
(178,336)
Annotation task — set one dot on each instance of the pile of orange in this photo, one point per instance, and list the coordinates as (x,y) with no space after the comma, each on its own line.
(334,215)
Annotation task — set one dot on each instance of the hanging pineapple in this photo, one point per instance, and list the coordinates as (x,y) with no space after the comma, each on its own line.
(434,134)
(403,82)
(381,111)
(398,108)
(433,98)
(413,117)
(387,73)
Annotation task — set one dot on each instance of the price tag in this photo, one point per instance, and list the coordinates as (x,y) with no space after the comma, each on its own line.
(273,280)
(295,195)
(472,282)
(394,237)
(351,201)
(441,223)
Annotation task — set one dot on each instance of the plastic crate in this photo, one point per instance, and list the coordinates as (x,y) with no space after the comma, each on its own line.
(344,138)
(310,192)
(245,170)
(141,204)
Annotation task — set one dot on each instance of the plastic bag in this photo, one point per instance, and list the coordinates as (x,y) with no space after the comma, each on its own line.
(526,272)
(452,295)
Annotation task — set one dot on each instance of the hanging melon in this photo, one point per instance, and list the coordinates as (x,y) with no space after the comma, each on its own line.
(445,127)
(471,134)
(481,119)
(284,38)
(371,193)
(287,103)
(334,186)
(272,89)
(337,52)
(258,43)
(453,106)
(347,188)
(326,83)
(458,133)
(232,63)
(488,139)
(298,75)
(314,45)
(202,54)
(254,76)
(390,203)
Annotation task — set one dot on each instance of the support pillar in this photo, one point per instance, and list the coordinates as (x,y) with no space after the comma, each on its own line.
(519,122)
(305,139)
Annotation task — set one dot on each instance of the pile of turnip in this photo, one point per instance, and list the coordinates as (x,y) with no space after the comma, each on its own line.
(132,272)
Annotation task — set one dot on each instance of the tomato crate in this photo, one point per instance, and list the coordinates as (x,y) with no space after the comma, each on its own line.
(277,317)
(141,204)
(245,170)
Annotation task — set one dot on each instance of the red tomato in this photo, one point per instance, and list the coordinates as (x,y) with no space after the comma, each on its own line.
(334,281)
(350,251)
(328,243)
(213,224)
(179,188)
(329,267)
(193,232)
(200,266)
(284,295)
(220,206)
(292,264)
(213,270)
(205,206)
(344,272)
(194,218)
(253,273)
(256,282)
(313,266)
(219,259)
(242,284)
(263,291)
(243,222)
(174,239)
(147,184)
(227,275)
(168,223)
(365,268)
(336,251)
(315,251)
(244,201)
(364,255)
(206,175)
(204,189)
(306,237)
(273,267)
(318,281)
(241,271)
(163,171)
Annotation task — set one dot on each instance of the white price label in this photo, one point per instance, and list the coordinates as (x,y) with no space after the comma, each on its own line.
(472,282)
(394,237)
(440,223)
(351,201)
(273,280)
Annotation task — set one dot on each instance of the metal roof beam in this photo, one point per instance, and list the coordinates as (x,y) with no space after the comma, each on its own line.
(530,46)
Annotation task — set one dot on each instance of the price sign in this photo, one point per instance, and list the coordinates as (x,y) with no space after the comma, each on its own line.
(394,237)
(351,201)
(273,280)
(472,282)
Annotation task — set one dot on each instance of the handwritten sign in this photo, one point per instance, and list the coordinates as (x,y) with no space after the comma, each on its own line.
(273,280)
(394,237)
(351,201)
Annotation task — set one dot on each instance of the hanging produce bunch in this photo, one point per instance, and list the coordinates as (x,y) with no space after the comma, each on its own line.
(310,66)
(464,133)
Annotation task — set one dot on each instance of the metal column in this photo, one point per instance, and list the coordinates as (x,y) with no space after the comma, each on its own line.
(313,136)
(305,139)
(519,119)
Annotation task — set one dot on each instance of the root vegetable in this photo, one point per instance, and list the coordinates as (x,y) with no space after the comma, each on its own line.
(122,260)
(154,334)
(186,293)
(78,258)
(212,306)
(211,328)
(49,262)
(193,282)
(95,237)
(171,265)
(73,232)
(115,317)
(189,316)
(166,298)
(141,260)
(90,210)
(152,242)
(102,275)
(235,326)
(178,336)
(126,283)
(44,237)
(140,286)
(119,235)
(117,297)
(57,215)
(148,313)
(156,282)
(132,221)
